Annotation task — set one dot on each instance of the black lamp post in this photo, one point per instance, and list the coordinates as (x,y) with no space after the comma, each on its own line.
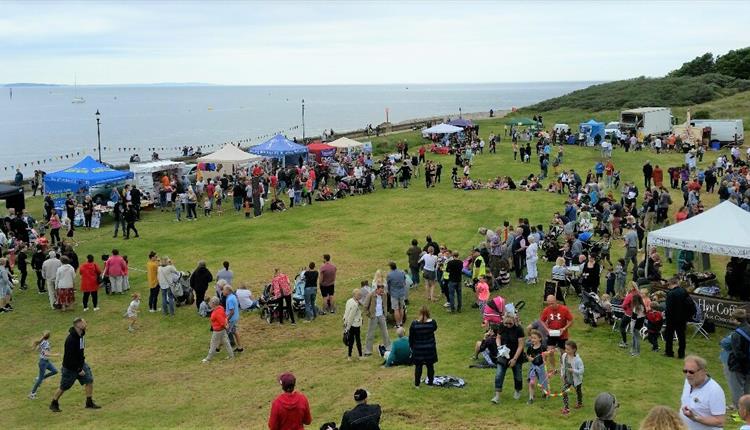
(303,121)
(459,112)
(98,134)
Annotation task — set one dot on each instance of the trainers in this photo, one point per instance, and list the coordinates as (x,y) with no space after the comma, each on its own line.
(530,402)
(96,309)
(578,405)
(204,361)
(447,305)
(623,345)
(32,395)
(85,309)
(517,395)
(91,405)
(565,411)
(54,406)
(495,399)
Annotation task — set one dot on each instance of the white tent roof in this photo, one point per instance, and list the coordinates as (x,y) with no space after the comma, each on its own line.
(345,142)
(155,166)
(442,129)
(229,154)
(721,230)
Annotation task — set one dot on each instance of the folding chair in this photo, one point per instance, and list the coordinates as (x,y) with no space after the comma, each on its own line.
(617,314)
(698,325)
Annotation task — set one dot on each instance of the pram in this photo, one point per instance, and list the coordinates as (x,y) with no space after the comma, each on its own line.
(269,308)
(592,309)
(298,295)
(182,284)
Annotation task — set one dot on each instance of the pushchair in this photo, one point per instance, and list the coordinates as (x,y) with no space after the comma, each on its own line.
(298,295)
(592,309)
(182,285)
(270,308)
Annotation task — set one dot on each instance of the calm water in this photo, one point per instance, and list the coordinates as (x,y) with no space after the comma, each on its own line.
(41,124)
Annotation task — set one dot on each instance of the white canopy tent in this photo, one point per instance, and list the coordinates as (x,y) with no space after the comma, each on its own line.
(227,159)
(721,230)
(346,143)
(442,129)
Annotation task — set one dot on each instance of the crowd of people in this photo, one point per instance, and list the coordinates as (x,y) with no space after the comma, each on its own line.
(591,209)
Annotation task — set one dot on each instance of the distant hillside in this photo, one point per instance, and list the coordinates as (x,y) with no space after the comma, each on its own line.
(642,91)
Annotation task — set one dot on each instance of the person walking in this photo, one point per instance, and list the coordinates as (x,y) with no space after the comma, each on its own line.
(116,269)
(364,416)
(233,317)
(49,271)
(454,267)
(37,261)
(375,310)
(219,326)
(199,280)
(64,283)
(45,352)
(679,308)
(152,274)
(396,282)
(290,409)
(131,216)
(414,252)
(328,284)
(282,293)
(90,273)
(511,337)
(423,346)
(118,213)
(353,323)
(74,367)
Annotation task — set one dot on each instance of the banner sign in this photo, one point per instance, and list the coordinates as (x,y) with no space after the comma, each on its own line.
(719,310)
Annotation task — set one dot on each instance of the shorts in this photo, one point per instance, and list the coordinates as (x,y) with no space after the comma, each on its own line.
(556,341)
(69,377)
(429,275)
(232,328)
(327,290)
(398,303)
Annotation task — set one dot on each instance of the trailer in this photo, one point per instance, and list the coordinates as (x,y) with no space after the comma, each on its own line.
(646,121)
(724,131)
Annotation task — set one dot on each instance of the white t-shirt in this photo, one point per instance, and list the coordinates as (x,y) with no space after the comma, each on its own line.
(707,400)
(430,262)
(132,311)
(245,298)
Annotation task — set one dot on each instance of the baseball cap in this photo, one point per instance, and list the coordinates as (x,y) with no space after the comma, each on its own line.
(360,394)
(287,380)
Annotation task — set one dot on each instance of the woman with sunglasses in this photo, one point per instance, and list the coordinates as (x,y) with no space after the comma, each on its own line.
(605,407)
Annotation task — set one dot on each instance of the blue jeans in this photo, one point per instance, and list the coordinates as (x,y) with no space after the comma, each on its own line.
(237,201)
(311,312)
(177,211)
(297,197)
(517,377)
(414,274)
(44,365)
(454,291)
(167,301)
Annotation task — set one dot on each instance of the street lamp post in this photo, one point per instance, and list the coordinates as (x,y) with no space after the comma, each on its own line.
(98,134)
(303,121)
(459,112)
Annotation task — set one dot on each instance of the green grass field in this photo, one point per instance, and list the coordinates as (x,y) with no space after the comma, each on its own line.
(154,379)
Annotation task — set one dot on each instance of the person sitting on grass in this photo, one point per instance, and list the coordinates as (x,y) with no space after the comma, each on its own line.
(363,416)
(605,407)
(400,353)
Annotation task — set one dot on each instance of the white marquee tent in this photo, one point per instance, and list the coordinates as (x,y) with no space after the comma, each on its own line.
(442,129)
(345,143)
(229,158)
(721,230)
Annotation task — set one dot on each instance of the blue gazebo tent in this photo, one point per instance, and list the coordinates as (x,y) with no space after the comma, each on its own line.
(281,148)
(592,128)
(81,176)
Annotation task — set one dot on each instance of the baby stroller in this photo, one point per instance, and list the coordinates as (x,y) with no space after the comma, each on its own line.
(551,248)
(183,294)
(269,308)
(592,309)
(298,295)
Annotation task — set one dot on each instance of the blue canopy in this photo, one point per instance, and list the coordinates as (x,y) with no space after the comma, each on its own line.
(83,175)
(592,128)
(277,147)
(460,122)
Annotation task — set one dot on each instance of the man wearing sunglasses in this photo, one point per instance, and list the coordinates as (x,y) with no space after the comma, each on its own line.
(703,405)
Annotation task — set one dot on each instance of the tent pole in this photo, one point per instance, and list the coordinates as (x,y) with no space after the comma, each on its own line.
(645,271)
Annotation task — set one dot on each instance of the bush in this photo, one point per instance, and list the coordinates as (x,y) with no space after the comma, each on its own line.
(702,114)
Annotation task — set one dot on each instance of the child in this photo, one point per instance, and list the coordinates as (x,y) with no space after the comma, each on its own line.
(205,310)
(290,194)
(483,293)
(571,371)
(610,278)
(503,274)
(606,245)
(126,276)
(537,374)
(179,205)
(654,321)
(219,196)
(43,346)
(620,277)
(247,207)
(207,206)
(68,224)
(639,316)
(132,312)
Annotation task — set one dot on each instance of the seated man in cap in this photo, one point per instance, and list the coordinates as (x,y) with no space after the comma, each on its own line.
(363,416)
(290,410)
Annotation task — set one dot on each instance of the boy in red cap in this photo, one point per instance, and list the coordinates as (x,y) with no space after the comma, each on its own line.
(290,410)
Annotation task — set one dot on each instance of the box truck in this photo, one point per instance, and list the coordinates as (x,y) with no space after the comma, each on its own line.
(723,130)
(646,121)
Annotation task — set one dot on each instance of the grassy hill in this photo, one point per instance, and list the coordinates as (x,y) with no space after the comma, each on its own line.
(642,91)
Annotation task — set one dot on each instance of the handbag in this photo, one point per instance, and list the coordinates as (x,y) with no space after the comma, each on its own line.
(345,337)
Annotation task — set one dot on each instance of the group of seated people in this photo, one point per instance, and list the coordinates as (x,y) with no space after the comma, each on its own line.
(530,183)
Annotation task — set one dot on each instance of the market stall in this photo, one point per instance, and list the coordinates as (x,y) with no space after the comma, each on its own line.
(147,176)
(225,161)
(13,197)
(589,131)
(344,144)
(80,178)
(721,230)
(441,129)
(281,148)
(321,150)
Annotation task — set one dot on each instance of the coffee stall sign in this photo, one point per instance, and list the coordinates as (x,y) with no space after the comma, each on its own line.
(718,310)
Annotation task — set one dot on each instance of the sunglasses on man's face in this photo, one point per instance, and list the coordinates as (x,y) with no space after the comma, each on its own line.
(689,372)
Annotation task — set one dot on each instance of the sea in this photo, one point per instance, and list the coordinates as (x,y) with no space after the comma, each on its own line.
(42,129)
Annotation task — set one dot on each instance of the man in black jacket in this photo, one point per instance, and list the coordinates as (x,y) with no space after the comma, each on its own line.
(363,416)
(36,263)
(680,308)
(74,367)
(648,172)
(739,358)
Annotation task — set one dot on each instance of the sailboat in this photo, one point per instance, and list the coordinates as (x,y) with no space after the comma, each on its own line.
(76,98)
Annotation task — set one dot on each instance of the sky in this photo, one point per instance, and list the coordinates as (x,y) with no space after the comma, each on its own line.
(359,42)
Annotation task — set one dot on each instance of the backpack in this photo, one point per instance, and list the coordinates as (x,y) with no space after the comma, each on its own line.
(744,335)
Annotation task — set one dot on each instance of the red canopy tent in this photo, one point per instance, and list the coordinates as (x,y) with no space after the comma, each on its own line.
(320,150)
